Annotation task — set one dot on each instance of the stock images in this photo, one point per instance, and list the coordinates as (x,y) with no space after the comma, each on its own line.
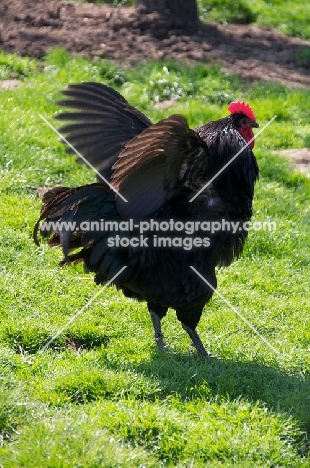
(154,212)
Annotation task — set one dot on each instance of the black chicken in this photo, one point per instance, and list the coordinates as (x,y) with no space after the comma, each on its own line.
(167,172)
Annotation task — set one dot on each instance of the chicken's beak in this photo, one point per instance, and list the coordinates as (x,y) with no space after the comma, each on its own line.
(254,124)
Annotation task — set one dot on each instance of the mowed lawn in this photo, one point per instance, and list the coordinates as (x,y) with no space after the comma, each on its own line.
(102,395)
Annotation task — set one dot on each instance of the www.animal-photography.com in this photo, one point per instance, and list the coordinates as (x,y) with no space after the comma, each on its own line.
(154,210)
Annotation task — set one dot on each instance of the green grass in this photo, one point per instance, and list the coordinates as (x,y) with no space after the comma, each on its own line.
(102,395)
(286,16)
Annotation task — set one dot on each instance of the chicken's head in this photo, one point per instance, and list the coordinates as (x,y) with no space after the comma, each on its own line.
(244,120)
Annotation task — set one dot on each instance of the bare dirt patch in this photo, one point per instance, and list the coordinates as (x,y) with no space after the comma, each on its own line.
(10,84)
(300,159)
(32,27)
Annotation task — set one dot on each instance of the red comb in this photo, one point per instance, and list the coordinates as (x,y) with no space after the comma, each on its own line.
(237,106)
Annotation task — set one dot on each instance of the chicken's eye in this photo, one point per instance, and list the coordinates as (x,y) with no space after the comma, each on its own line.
(244,122)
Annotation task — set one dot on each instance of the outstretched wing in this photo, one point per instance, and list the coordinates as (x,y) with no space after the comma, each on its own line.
(101,125)
(156,165)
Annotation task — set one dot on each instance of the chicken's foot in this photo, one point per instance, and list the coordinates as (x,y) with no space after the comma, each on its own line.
(196,341)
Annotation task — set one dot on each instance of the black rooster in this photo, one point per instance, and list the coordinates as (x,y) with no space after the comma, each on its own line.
(159,169)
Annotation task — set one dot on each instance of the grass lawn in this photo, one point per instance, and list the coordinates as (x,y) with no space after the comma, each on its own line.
(102,395)
(286,16)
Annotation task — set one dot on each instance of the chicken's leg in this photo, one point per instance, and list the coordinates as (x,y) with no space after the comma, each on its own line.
(196,341)
(159,337)
(157,313)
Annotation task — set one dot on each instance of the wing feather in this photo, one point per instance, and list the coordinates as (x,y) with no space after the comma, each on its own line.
(147,172)
(100,124)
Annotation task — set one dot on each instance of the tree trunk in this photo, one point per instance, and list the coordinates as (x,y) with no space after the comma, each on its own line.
(180,14)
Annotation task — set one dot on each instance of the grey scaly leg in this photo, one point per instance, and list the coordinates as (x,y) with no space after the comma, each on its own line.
(196,341)
(159,337)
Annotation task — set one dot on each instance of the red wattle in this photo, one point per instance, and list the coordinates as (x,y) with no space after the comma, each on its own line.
(247,134)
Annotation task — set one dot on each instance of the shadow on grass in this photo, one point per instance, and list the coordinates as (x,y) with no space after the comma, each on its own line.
(190,377)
